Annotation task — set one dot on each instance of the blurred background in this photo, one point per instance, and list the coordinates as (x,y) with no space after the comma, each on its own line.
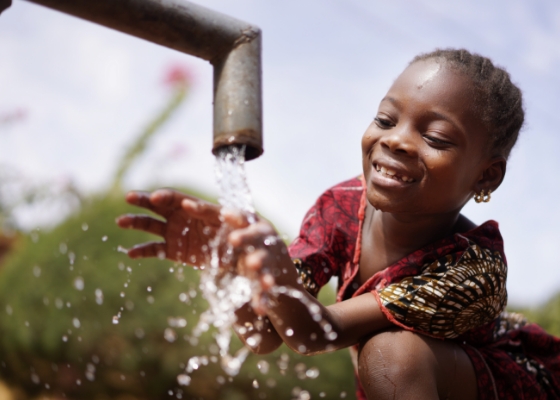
(76,98)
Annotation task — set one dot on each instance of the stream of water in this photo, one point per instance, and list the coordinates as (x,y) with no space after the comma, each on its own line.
(226,291)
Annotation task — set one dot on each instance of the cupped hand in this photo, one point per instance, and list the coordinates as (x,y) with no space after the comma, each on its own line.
(262,256)
(187,227)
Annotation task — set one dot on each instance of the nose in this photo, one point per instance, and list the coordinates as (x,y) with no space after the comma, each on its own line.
(400,140)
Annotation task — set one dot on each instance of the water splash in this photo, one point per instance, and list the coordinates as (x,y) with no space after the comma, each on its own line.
(225,291)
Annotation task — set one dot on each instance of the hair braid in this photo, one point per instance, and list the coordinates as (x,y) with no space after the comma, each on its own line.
(498,101)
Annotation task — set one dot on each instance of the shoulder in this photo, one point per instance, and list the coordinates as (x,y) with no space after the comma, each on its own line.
(343,197)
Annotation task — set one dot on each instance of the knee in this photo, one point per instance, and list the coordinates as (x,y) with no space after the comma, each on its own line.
(394,358)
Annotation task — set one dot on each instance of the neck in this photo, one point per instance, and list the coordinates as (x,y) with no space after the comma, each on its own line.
(398,235)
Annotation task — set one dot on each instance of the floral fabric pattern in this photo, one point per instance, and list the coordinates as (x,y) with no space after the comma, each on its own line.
(452,294)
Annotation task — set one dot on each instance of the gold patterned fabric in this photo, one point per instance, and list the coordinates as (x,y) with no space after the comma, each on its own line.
(305,274)
(452,295)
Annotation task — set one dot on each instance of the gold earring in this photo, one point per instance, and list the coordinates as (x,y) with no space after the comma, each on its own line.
(482,197)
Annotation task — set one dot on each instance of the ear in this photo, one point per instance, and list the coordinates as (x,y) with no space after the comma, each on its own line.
(492,175)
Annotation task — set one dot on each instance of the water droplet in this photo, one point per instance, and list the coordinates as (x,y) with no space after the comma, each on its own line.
(149,288)
(254,340)
(34,237)
(35,378)
(331,335)
(161,255)
(183,380)
(122,294)
(312,373)
(76,323)
(263,366)
(183,297)
(177,322)
(169,335)
(71,258)
(220,379)
(9,309)
(63,248)
(104,238)
(99,296)
(90,373)
(171,269)
(115,319)
(58,303)
(255,384)
(150,299)
(289,332)
(322,394)
(122,249)
(37,271)
(79,283)
(139,332)
(85,227)
(342,395)
(193,364)
(78,382)
(64,338)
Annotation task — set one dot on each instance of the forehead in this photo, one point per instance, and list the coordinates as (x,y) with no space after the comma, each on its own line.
(436,84)
(430,86)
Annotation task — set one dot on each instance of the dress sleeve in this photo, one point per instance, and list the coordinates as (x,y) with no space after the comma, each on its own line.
(311,250)
(451,296)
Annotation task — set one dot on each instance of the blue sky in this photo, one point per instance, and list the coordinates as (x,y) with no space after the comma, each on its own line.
(88,91)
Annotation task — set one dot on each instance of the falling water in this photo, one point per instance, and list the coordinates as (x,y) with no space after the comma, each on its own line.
(226,291)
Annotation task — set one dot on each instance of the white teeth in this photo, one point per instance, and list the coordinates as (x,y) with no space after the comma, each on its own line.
(391,174)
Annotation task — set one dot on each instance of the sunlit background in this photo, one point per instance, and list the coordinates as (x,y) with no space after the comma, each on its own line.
(74,94)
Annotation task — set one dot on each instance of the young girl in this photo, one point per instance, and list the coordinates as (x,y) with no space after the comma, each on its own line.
(422,289)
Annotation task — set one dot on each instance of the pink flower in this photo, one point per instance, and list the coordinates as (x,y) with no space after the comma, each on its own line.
(178,75)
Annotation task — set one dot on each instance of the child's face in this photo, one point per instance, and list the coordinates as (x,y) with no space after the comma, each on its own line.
(426,149)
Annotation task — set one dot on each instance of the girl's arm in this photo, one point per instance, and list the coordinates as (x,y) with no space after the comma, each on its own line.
(300,320)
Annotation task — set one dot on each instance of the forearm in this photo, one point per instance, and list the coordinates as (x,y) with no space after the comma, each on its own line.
(308,327)
(256,332)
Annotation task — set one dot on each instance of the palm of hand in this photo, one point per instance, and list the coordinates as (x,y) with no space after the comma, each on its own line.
(189,226)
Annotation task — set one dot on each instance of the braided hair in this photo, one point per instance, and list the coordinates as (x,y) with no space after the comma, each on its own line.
(497,100)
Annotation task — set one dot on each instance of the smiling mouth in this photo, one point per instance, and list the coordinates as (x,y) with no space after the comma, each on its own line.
(389,173)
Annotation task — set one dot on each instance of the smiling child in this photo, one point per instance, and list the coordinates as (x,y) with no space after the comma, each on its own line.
(422,289)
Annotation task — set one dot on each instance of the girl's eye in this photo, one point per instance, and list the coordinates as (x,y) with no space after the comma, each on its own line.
(435,141)
(383,123)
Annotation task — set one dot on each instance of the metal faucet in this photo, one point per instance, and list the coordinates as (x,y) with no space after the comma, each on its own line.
(232,47)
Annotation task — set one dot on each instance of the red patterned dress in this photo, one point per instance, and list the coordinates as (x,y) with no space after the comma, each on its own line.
(453,289)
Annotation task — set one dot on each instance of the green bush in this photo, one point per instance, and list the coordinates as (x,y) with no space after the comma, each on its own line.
(59,292)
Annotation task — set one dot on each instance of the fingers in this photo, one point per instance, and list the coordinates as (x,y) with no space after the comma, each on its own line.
(235,219)
(145,250)
(140,199)
(256,235)
(168,198)
(208,212)
(142,222)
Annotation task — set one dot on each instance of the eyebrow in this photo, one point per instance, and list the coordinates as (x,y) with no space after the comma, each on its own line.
(435,114)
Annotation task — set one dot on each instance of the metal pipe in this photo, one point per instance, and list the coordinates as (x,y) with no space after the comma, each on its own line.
(233,47)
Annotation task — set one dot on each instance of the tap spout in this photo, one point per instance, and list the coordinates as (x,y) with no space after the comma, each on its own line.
(233,48)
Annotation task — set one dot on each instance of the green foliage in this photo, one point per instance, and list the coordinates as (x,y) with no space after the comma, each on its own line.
(56,335)
(546,315)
